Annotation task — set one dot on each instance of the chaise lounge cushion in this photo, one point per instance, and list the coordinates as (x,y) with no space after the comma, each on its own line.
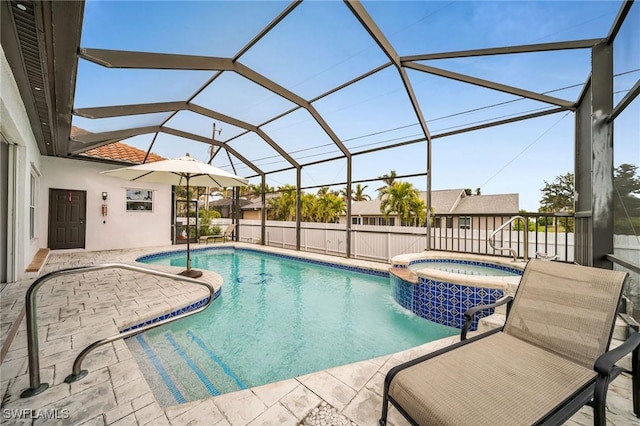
(497,380)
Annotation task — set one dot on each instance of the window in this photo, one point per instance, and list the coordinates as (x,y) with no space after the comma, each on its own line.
(33,188)
(355,220)
(139,200)
(465,222)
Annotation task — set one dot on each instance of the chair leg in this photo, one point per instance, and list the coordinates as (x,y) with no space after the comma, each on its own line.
(600,401)
(385,408)
(635,378)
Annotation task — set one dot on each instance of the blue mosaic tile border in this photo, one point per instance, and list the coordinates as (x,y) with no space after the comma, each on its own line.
(465,262)
(383,274)
(175,313)
(442,302)
(172,252)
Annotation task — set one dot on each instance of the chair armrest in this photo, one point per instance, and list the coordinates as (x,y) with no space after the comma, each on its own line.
(606,362)
(471,312)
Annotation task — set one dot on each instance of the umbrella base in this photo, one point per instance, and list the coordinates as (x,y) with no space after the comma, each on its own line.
(191,273)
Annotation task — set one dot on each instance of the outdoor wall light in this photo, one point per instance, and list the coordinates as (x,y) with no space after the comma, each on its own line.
(104,196)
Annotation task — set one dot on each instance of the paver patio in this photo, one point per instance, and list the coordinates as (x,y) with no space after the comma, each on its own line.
(74,311)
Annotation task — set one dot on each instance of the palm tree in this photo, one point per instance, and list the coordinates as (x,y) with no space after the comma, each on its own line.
(252,191)
(330,207)
(418,211)
(308,207)
(358,193)
(323,191)
(402,199)
(344,193)
(284,206)
(388,179)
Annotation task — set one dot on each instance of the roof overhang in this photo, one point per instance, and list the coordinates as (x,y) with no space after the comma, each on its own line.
(33,34)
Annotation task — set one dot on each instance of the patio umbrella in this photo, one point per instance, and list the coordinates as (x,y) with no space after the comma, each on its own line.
(182,171)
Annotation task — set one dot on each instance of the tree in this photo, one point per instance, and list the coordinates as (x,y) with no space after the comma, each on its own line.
(388,179)
(626,199)
(329,207)
(558,196)
(308,207)
(284,206)
(402,199)
(419,211)
(253,191)
(357,194)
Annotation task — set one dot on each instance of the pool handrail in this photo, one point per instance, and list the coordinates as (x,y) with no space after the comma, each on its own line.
(36,387)
(514,253)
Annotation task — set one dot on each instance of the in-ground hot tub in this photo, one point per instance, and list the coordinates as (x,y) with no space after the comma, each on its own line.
(441,286)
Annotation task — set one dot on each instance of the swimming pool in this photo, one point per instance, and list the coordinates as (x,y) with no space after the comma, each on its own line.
(276,318)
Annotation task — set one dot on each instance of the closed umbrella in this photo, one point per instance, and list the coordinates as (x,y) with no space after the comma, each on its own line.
(182,171)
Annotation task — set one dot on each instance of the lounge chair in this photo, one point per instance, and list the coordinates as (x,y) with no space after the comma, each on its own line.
(225,236)
(541,367)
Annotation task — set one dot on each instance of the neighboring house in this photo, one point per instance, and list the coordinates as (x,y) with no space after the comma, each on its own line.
(252,209)
(224,206)
(452,208)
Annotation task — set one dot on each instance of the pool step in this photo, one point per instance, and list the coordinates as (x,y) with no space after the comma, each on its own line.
(179,375)
(201,366)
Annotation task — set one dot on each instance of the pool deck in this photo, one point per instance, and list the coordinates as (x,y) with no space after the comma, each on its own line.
(75,310)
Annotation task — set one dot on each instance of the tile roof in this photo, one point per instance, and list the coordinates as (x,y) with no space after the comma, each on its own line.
(116,151)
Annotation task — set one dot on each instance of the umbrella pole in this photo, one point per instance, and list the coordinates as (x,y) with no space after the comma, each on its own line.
(188,230)
(189,272)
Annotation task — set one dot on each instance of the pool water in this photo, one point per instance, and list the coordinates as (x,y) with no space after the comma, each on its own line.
(478,268)
(276,318)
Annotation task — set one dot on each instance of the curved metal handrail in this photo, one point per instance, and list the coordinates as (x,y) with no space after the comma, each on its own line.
(32,327)
(513,252)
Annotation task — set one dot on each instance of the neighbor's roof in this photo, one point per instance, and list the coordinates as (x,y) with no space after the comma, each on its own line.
(442,201)
(117,151)
(499,203)
(454,201)
(256,203)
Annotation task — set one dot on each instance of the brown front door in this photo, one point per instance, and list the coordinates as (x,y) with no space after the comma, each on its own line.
(67,211)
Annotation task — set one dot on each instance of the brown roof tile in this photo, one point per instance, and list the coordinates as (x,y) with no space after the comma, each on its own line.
(116,151)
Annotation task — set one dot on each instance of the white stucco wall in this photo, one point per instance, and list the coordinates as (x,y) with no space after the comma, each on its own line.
(119,229)
(15,128)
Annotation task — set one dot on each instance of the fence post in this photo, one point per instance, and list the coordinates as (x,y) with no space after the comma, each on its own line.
(354,244)
(326,235)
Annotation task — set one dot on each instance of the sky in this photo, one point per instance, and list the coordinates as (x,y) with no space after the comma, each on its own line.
(321,45)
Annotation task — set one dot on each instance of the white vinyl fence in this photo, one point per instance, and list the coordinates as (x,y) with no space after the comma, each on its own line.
(382,243)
